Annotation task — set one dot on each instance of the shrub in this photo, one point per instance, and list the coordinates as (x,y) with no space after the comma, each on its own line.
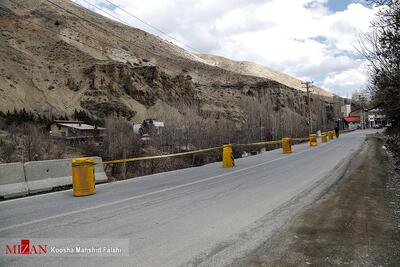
(393,144)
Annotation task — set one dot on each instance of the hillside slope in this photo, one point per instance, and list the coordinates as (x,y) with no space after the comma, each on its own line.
(251,68)
(56,56)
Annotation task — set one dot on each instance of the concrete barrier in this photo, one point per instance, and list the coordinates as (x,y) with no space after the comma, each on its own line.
(99,173)
(12,180)
(45,175)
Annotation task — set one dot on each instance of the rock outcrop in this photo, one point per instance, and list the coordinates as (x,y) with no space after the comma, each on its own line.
(54,61)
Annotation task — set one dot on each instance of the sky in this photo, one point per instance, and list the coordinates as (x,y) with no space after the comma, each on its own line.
(313,40)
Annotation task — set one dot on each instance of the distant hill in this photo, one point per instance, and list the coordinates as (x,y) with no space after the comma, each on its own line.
(251,68)
(59,57)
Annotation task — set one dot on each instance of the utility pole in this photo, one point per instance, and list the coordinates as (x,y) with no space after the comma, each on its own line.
(363,101)
(308,85)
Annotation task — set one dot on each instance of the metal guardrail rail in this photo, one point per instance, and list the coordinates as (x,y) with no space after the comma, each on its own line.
(163,156)
(258,144)
(207,150)
(300,139)
(199,151)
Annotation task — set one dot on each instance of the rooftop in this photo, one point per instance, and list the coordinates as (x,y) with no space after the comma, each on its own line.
(80,126)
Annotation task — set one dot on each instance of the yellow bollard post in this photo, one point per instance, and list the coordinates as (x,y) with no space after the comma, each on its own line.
(286,145)
(313,140)
(331,135)
(228,160)
(83,180)
(324,138)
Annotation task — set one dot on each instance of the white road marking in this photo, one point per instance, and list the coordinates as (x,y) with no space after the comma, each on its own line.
(146,194)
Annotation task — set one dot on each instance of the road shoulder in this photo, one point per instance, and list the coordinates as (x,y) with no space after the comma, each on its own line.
(355,223)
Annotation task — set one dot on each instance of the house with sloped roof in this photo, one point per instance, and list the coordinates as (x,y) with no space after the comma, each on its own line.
(74,130)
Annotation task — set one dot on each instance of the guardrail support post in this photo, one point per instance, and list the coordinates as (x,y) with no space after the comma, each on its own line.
(324,138)
(286,145)
(313,140)
(228,160)
(83,180)
(331,135)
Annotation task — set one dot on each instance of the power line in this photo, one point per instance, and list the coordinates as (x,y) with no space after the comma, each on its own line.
(106,12)
(63,35)
(113,34)
(309,116)
(171,61)
(97,26)
(111,15)
(52,31)
(83,43)
(151,26)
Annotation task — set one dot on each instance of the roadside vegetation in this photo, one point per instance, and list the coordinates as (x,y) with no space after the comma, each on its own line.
(382,49)
(25,136)
(393,143)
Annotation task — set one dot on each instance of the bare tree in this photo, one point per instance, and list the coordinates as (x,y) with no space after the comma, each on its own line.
(382,49)
(7,150)
(32,138)
(120,142)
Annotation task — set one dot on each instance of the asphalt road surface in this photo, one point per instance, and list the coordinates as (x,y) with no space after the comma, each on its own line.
(203,216)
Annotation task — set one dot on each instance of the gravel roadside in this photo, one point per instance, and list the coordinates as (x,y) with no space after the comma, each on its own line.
(356,223)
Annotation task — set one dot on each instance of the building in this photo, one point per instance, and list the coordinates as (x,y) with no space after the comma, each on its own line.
(367,118)
(376,117)
(75,130)
(345,110)
(147,125)
(362,114)
(356,96)
(351,122)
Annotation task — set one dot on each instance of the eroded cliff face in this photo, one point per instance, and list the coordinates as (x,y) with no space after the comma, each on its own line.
(52,62)
(148,85)
(113,82)
(277,105)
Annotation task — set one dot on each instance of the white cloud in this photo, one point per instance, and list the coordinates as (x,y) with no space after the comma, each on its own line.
(348,80)
(299,37)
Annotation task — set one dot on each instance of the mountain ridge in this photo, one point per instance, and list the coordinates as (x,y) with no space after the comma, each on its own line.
(58,57)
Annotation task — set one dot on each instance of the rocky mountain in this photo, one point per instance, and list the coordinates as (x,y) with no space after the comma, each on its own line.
(56,56)
(251,68)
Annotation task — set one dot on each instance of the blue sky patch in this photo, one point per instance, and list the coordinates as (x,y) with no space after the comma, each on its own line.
(106,5)
(339,5)
(320,39)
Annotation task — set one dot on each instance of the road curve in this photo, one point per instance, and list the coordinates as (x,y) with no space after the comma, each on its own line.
(195,216)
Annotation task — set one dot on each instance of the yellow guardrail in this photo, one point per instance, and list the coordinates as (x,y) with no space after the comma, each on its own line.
(163,156)
(201,151)
(301,139)
(258,144)
(189,152)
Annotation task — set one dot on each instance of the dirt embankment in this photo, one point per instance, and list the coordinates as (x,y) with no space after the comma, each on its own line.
(356,223)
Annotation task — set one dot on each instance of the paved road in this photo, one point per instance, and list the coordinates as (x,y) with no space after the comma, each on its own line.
(184,217)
